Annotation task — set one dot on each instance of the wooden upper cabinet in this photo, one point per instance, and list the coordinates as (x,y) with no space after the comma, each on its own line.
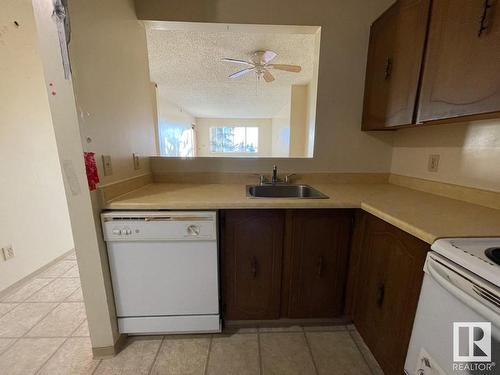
(395,54)
(462,65)
(318,254)
(252,261)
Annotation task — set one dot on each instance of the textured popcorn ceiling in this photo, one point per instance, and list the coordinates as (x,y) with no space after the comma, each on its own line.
(187,66)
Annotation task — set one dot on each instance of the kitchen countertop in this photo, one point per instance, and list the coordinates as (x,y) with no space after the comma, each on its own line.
(426,216)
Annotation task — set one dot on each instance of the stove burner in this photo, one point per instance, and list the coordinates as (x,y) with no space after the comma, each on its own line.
(494,254)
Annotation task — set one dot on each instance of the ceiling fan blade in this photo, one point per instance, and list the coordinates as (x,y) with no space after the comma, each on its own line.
(241,72)
(285,67)
(236,61)
(267,56)
(268,77)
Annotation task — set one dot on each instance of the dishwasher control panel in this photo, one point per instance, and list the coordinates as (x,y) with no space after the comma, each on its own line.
(159,225)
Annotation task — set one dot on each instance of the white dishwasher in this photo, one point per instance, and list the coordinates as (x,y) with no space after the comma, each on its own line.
(164,270)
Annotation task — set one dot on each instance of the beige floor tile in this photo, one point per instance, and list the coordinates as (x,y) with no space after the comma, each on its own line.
(62,321)
(73,357)
(83,330)
(57,291)
(4,344)
(72,272)
(58,269)
(325,328)
(76,296)
(281,329)
(26,356)
(336,353)
(22,318)
(234,355)
(285,354)
(26,290)
(367,354)
(135,359)
(6,307)
(182,355)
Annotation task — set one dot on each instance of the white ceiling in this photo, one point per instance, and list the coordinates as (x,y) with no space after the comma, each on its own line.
(187,66)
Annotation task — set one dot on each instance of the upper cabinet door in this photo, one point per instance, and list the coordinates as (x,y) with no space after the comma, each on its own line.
(462,66)
(395,56)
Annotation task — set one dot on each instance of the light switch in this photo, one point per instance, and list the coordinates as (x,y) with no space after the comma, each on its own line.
(107,166)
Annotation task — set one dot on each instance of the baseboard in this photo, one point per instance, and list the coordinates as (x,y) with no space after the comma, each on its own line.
(110,351)
(286,322)
(42,269)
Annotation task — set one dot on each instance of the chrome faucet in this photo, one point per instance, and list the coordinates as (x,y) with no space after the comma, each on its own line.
(275,175)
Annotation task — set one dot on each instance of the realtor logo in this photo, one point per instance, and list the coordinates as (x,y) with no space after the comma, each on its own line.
(472,342)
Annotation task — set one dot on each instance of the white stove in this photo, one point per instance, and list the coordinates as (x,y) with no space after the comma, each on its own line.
(470,253)
(461,287)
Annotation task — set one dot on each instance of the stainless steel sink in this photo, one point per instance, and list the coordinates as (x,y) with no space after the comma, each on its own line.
(284,191)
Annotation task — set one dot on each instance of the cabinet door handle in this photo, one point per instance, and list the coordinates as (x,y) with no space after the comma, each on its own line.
(380,295)
(484,24)
(253,267)
(388,69)
(320,266)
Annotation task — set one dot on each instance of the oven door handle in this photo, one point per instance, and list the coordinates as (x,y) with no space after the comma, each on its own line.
(439,272)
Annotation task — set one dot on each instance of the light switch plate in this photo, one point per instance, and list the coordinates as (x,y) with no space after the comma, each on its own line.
(107,166)
(137,161)
(433,164)
(8,252)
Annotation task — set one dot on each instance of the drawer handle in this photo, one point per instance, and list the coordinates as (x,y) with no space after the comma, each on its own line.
(484,24)
(320,266)
(388,69)
(253,267)
(380,295)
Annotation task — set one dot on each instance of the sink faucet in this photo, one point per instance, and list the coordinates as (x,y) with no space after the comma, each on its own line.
(275,175)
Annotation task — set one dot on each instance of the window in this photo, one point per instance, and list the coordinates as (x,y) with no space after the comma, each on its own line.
(235,139)
(176,140)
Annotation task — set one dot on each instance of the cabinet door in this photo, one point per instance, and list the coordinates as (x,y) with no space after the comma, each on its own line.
(252,258)
(318,256)
(387,290)
(394,61)
(461,75)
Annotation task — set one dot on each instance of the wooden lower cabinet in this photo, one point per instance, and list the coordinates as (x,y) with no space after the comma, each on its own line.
(252,247)
(317,258)
(386,264)
(270,272)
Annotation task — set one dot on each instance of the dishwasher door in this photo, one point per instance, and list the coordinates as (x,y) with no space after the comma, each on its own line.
(164,278)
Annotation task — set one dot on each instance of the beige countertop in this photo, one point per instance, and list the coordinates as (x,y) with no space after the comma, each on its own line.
(426,216)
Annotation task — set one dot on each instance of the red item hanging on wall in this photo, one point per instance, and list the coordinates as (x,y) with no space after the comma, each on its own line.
(91,169)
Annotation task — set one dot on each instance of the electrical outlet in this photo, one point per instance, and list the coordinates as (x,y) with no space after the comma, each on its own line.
(137,161)
(433,164)
(107,166)
(8,252)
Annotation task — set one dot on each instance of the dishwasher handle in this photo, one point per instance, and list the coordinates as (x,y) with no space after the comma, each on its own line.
(439,273)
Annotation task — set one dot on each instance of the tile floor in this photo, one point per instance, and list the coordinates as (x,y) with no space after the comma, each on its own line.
(43,330)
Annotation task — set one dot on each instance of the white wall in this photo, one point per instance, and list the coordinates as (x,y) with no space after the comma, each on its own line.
(469,153)
(298,121)
(112,86)
(84,212)
(33,209)
(281,132)
(339,144)
(171,113)
(203,134)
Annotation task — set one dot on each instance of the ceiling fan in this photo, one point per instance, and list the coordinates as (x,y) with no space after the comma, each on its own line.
(260,63)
